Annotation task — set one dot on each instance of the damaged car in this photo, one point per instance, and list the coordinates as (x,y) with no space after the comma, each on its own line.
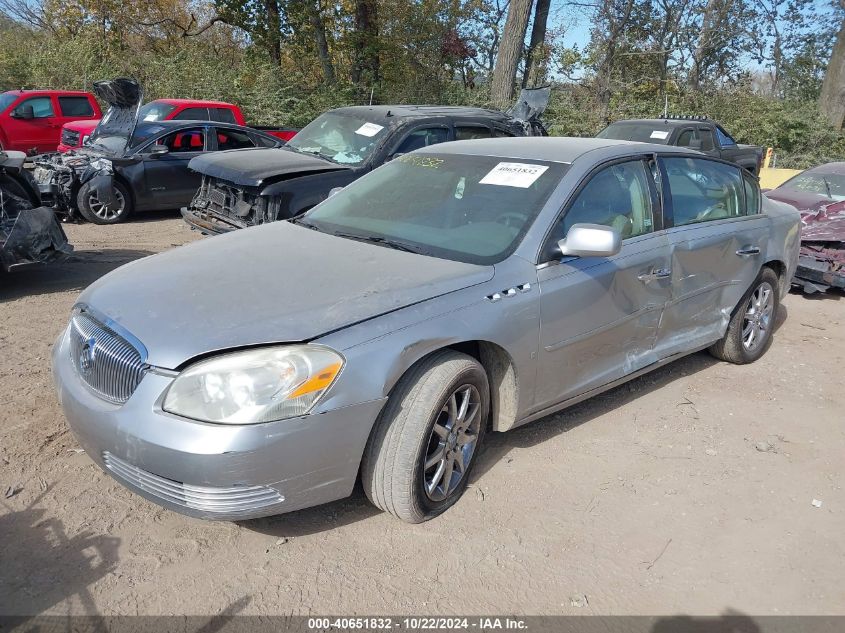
(252,187)
(29,231)
(462,289)
(819,194)
(128,165)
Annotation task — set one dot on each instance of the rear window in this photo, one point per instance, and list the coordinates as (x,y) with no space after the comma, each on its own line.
(224,115)
(76,106)
(192,114)
(642,132)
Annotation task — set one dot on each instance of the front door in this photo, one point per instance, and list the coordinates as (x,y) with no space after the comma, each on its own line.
(168,178)
(599,316)
(42,131)
(718,240)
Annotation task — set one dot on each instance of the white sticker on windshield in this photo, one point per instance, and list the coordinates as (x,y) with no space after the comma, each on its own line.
(369,129)
(520,175)
(661,134)
(150,117)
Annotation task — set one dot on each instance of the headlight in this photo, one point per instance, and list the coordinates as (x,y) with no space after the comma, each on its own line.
(260,385)
(101,164)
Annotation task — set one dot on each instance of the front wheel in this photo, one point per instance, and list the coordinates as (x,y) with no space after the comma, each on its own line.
(95,211)
(749,332)
(420,455)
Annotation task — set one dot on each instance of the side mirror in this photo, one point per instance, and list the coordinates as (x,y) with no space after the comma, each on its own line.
(159,150)
(590,240)
(24,112)
(334,190)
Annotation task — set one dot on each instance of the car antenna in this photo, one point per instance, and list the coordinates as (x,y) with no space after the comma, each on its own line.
(372,89)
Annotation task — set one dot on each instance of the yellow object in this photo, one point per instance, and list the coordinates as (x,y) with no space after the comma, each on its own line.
(767,160)
(318,382)
(771,178)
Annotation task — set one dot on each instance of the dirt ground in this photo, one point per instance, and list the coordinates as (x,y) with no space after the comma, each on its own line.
(690,490)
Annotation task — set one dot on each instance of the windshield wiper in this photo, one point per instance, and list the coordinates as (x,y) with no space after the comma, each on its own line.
(827,186)
(381,241)
(301,221)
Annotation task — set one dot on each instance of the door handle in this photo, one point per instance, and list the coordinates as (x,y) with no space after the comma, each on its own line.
(658,273)
(748,250)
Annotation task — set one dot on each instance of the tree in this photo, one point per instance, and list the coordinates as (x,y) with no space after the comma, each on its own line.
(535,57)
(832,97)
(510,51)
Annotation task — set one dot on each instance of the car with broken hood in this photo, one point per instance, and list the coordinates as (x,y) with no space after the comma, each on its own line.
(29,231)
(819,194)
(251,187)
(130,165)
(463,288)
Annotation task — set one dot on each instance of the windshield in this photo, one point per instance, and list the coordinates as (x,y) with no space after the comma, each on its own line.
(642,132)
(344,139)
(155,111)
(829,185)
(472,209)
(7,99)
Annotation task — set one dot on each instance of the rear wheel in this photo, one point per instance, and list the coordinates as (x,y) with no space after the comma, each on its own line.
(95,211)
(749,332)
(420,455)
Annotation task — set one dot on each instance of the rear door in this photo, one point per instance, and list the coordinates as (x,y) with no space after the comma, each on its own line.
(168,178)
(718,237)
(599,316)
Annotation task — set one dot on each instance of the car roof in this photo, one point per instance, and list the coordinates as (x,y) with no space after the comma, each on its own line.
(666,122)
(393,112)
(828,168)
(180,124)
(194,102)
(554,149)
(61,93)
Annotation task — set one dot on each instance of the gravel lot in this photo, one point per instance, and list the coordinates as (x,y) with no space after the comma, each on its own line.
(689,490)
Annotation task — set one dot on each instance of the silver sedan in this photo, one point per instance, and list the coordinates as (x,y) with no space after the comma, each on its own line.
(465,288)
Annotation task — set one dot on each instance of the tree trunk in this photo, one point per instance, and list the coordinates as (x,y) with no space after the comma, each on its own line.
(533,61)
(832,97)
(274,27)
(319,27)
(704,46)
(365,64)
(510,50)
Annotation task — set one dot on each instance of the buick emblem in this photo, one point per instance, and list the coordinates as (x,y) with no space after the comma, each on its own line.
(86,356)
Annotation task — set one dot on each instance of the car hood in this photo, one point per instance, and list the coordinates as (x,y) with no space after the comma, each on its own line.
(251,167)
(114,130)
(268,284)
(801,200)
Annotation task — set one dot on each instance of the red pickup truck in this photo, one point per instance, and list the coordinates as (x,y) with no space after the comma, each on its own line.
(75,134)
(31,120)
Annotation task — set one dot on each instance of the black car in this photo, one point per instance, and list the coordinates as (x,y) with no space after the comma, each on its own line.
(695,132)
(29,232)
(250,187)
(128,165)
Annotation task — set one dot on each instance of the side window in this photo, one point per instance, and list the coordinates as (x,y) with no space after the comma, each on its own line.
(422,138)
(704,190)
(224,115)
(469,132)
(190,140)
(752,195)
(725,139)
(75,106)
(499,133)
(706,140)
(263,141)
(686,137)
(42,107)
(192,114)
(618,196)
(233,139)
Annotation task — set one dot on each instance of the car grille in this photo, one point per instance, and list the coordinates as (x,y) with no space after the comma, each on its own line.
(232,501)
(70,138)
(109,364)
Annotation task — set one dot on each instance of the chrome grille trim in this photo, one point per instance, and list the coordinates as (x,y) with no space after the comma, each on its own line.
(106,361)
(221,501)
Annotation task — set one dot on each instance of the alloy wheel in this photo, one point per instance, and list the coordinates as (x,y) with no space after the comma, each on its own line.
(103,211)
(757,321)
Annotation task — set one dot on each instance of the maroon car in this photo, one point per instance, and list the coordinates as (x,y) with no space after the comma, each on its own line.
(819,194)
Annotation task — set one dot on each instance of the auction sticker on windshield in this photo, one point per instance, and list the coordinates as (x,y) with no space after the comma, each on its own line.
(520,175)
(369,129)
(661,134)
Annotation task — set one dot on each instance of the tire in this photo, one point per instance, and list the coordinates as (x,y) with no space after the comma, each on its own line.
(393,469)
(749,332)
(86,202)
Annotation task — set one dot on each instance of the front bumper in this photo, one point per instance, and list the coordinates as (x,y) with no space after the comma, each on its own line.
(209,223)
(215,471)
